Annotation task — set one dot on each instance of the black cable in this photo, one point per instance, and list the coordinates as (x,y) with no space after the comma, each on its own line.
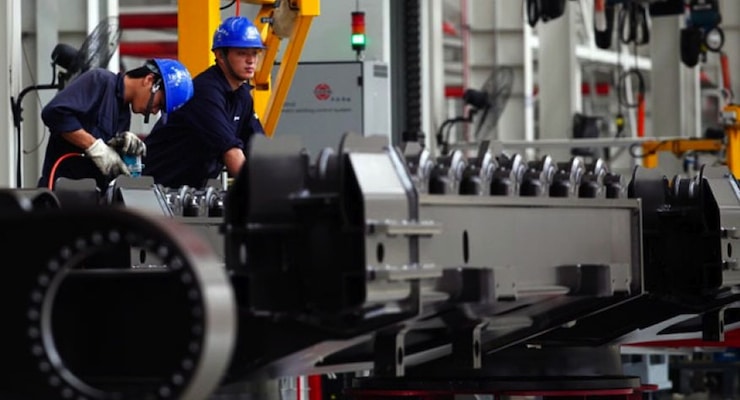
(16,105)
(446,146)
(620,115)
(622,87)
(440,132)
(449,124)
(619,121)
(38,98)
(632,23)
(228,5)
(443,139)
(533,12)
(17,109)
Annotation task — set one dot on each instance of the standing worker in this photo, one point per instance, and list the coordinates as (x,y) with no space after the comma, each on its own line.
(211,132)
(92,117)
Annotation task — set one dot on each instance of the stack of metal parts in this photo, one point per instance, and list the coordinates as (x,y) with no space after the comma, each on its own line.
(477,275)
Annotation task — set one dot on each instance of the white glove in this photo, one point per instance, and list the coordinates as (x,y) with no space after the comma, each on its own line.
(106,159)
(128,143)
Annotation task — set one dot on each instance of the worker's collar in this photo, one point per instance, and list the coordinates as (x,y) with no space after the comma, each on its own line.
(225,82)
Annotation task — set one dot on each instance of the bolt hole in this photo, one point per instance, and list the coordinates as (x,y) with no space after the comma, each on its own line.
(380,252)
(466,247)
(399,356)
(243,254)
(729,249)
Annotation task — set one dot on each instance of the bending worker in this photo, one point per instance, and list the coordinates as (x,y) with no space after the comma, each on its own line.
(92,117)
(211,132)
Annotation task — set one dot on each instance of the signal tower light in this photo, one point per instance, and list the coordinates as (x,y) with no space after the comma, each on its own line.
(358,31)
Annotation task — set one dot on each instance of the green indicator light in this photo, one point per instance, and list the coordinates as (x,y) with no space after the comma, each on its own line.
(358,40)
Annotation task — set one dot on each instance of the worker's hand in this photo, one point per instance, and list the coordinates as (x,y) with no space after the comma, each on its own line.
(128,143)
(106,159)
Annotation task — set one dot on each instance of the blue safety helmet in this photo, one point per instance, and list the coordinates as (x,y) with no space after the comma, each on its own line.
(177,82)
(237,32)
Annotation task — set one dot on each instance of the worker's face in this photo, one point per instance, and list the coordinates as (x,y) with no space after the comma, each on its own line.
(141,99)
(243,62)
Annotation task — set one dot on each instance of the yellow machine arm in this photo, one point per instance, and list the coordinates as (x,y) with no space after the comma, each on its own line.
(268,103)
(292,21)
(678,147)
(731,122)
(730,143)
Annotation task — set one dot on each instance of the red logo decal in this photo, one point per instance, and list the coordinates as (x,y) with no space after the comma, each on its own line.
(322,91)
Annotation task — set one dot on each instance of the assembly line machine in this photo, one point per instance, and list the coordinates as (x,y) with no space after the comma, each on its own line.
(486,275)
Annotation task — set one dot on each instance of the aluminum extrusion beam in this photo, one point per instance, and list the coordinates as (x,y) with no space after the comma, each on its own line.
(11,65)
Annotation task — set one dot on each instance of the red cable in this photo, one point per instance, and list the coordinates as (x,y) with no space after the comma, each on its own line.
(640,114)
(56,164)
(238,7)
(725,62)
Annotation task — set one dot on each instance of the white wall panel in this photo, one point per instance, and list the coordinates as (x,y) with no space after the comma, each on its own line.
(329,39)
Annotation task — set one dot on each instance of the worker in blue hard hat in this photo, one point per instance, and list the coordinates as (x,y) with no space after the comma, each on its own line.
(211,132)
(92,117)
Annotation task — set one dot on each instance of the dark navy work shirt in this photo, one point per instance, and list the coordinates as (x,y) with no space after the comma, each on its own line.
(94,102)
(186,147)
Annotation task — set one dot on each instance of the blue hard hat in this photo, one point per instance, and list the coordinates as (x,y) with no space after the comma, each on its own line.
(237,32)
(177,82)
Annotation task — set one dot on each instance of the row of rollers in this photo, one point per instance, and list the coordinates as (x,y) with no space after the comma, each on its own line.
(488,174)
(188,201)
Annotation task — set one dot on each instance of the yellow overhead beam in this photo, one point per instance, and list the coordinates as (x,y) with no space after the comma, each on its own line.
(196,22)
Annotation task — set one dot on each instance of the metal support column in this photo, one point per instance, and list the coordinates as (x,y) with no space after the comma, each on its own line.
(730,10)
(675,88)
(46,37)
(559,76)
(498,38)
(109,8)
(10,84)
(433,108)
(196,22)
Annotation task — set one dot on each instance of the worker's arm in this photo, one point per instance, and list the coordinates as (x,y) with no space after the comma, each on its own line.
(208,116)
(105,158)
(234,160)
(80,138)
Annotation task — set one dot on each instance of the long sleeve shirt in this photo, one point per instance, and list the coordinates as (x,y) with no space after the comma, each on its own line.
(187,146)
(93,102)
